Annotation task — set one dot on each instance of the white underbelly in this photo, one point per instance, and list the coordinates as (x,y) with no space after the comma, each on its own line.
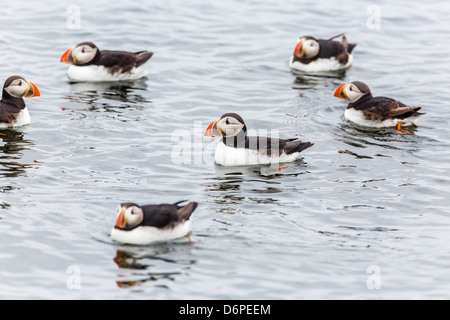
(22,119)
(100,73)
(320,65)
(149,235)
(357,117)
(228,156)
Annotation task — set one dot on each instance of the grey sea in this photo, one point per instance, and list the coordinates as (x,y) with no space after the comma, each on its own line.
(364,215)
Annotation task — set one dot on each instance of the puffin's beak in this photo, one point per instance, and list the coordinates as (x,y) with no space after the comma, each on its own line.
(212,130)
(298,48)
(340,92)
(120,222)
(32,91)
(67,57)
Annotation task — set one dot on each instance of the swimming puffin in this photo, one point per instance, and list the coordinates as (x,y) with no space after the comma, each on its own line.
(378,112)
(13,111)
(88,63)
(152,223)
(319,55)
(238,149)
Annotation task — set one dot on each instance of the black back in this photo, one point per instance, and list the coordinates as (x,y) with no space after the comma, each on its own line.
(122,61)
(166,215)
(328,48)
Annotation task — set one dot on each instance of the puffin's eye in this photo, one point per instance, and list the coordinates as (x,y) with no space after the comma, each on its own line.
(20,83)
(351,89)
(82,50)
(227,121)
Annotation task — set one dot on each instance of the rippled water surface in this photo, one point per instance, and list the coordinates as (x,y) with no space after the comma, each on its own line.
(364,215)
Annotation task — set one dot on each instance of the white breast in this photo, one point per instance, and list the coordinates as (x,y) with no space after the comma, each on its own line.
(149,235)
(22,119)
(100,73)
(229,156)
(319,65)
(357,117)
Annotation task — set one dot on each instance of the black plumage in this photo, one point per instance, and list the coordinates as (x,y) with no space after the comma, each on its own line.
(262,144)
(162,216)
(9,110)
(329,48)
(381,108)
(114,61)
(10,106)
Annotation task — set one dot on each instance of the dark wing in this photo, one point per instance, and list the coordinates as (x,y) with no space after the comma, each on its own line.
(122,60)
(348,47)
(271,146)
(8,113)
(166,215)
(142,57)
(296,146)
(383,108)
(184,212)
(265,145)
(159,216)
(331,48)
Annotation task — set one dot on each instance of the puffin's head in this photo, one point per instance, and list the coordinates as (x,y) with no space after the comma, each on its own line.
(18,87)
(129,216)
(306,48)
(81,54)
(228,125)
(352,91)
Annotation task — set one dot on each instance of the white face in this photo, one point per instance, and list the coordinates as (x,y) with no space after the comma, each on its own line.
(132,216)
(352,92)
(230,126)
(83,54)
(18,88)
(309,48)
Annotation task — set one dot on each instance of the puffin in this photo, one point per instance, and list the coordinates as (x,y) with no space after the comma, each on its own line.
(89,64)
(377,112)
(154,223)
(320,55)
(236,148)
(13,111)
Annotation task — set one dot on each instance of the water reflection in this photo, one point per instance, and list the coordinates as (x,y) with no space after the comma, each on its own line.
(103,95)
(115,100)
(263,180)
(267,171)
(386,138)
(11,153)
(123,91)
(308,81)
(150,263)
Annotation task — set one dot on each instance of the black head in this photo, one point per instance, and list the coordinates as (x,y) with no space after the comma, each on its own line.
(364,88)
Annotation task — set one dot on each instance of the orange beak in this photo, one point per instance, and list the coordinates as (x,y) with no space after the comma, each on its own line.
(65,56)
(120,221)
(208,132)
(298,48)
(212,130)
(339,93)
(33,91)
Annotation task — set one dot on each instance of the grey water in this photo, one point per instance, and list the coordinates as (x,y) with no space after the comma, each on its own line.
(364,214)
